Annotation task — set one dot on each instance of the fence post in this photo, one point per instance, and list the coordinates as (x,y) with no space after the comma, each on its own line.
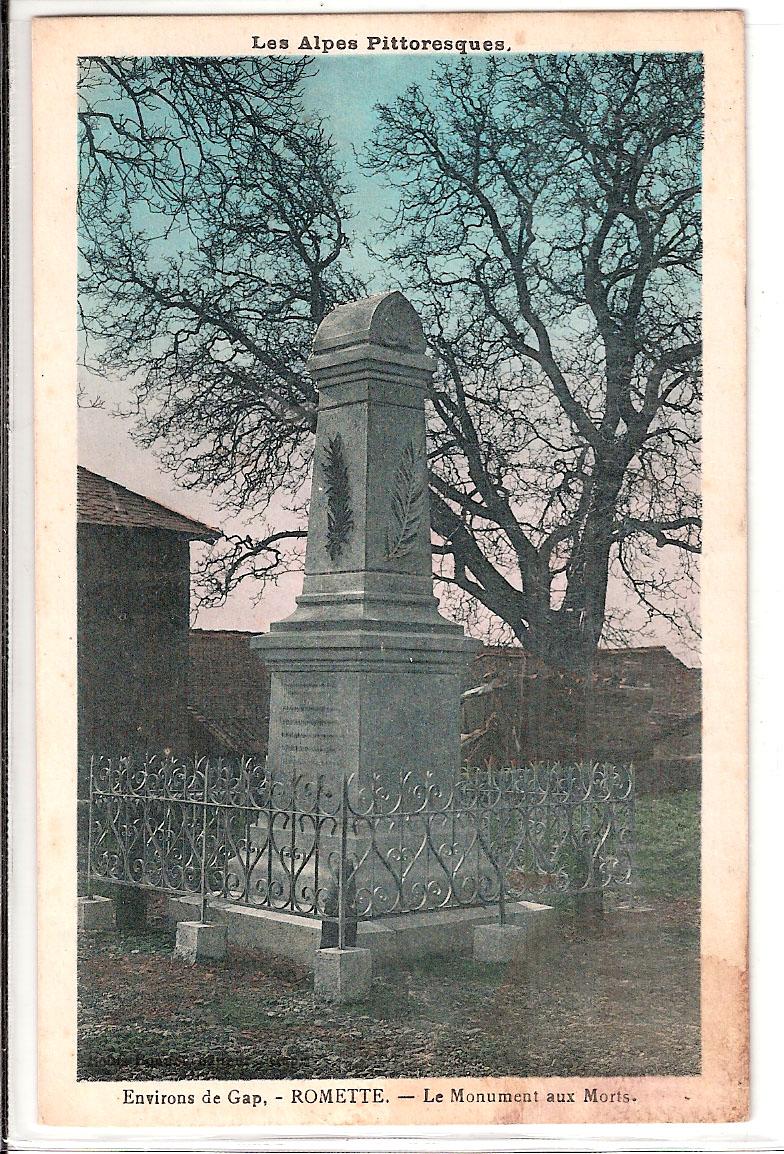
(203,879)
(342,867)
(484,837)
(501,855)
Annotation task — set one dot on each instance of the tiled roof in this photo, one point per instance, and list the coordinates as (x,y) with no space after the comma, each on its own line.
(232,734)
(104,502)
(229,688)
(223,667)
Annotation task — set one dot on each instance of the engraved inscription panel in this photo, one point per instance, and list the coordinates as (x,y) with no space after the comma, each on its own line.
(310,726)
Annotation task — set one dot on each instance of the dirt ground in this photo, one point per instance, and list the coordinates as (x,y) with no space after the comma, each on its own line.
(619,997)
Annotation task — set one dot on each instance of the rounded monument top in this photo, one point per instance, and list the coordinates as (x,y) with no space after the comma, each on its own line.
(386,319)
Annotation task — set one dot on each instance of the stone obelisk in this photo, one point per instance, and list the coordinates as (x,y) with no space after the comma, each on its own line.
(366,674)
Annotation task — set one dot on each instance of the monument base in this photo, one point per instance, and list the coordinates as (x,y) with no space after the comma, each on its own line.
(443,933)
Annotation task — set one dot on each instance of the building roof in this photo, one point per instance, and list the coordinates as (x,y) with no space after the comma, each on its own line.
(229,689)
(232,734)
(104,502)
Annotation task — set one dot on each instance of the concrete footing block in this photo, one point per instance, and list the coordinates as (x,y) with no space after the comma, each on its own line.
(96,914)
(342,975)
(498,943)
(198,941)
(540,922)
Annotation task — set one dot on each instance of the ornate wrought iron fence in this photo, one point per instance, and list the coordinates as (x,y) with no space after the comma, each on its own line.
(491,836)
(341,850)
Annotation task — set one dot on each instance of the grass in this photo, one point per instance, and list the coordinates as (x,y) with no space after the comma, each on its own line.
(668,846)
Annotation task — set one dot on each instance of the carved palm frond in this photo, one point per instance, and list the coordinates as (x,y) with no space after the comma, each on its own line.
(340,516)
(406,508)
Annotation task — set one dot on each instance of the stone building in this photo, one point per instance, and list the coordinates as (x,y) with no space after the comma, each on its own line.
(641,706)
(644,707)
(148,681)
(228,695)
(133,595)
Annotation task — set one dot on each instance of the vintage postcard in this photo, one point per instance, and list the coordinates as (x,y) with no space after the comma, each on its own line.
(390,545)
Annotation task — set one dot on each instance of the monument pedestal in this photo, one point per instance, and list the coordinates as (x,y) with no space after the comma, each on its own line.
(366,674)
(351,701)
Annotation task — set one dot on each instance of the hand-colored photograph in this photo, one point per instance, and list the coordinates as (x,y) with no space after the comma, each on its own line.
(391,626)
(389,536)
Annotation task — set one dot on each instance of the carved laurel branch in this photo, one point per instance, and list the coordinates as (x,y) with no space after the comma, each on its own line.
(340,516)
(406,507)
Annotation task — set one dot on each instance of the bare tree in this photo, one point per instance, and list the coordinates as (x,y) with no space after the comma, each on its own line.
(548,230)
(212,232)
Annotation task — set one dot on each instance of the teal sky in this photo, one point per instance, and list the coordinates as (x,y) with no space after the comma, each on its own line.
(345,93)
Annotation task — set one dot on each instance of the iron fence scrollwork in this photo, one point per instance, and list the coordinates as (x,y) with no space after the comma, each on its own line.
(344,850)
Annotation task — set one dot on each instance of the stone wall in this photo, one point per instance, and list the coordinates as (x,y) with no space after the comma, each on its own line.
(642,706)
(540,715)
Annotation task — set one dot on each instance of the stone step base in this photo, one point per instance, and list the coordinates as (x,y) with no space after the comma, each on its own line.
(407,936)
